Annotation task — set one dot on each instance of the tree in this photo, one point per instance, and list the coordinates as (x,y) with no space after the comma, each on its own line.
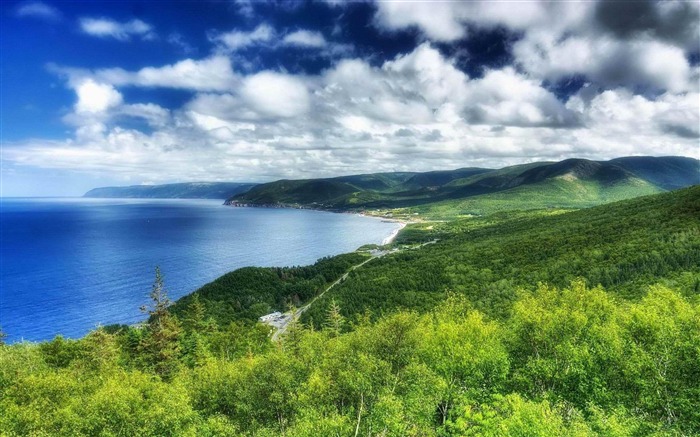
(159,298)
(100,350)
(195,342)
(334,320)
(195,312)
(161,342)
(3,336)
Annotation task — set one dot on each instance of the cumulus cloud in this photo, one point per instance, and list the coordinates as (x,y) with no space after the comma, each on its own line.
(448,21)
(673,21)
(416,111)
(108,28)
(211,74)
(275,94)
(265,36)
(94,97)
(156,116)
(37,9)
(506,98)
(634,44)
(238,40)
(606,61)
(305,38)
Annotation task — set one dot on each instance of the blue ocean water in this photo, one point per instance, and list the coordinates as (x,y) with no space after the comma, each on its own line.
(67,265)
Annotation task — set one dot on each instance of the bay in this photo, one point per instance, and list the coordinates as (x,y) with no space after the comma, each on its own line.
(68,265)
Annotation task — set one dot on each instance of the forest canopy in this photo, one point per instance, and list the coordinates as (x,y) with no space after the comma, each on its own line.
(521,323)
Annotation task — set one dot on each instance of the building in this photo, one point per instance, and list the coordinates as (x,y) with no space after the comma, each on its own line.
(272,316)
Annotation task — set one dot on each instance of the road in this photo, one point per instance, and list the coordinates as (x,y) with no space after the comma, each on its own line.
(281,324)
(288,317)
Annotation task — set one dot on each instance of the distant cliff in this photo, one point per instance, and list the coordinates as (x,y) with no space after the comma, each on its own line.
(188,190)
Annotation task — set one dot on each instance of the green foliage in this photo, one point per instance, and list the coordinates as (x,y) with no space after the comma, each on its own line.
(625,247)
(248,293)
(512,415)
(160,345)
(186,190)
(334,320)
(662,355)
(569,361)
(572,183)
(59,352)
(492,331)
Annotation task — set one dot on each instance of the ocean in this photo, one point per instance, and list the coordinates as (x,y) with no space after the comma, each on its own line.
(69,265)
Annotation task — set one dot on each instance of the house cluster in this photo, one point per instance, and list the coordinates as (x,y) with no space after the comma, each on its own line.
(270,317)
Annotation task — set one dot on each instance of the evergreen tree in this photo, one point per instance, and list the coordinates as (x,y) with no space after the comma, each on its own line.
(100,350)
(195,346)
(161,342)
(334,320)
(159,298)
(194,316)
(294,332)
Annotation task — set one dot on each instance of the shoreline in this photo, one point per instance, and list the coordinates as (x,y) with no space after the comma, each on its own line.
(389,233)
(388,240)
(395,233)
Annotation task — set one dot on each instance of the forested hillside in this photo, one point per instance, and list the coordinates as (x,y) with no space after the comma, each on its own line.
(572,183)
(535,323)
(622,246)
(187,190)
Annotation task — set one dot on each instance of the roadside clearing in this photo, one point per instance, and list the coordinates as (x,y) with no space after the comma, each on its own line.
(280,323)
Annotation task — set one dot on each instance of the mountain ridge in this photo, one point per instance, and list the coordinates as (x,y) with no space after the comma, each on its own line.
(183,190)
(597,181)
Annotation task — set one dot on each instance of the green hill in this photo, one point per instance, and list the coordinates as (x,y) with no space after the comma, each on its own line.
(187,190)
(623,246)
(540,323)
(669,173)
(572,183)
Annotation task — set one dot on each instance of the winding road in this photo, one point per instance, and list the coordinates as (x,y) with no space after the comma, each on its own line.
(288,317)
(282,323)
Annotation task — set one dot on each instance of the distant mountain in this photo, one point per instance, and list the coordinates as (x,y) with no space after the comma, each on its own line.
(569,183)
(669,172)
(188,190)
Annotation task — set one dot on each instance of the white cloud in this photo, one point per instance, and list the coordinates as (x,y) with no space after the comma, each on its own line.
(417,111)
(107,28)
(670,118)
(210,74)
(156,116)
(447,21)
(633,44)
(275,94)
(94,97)
(440,21)
(504,97)
(305,38)
(237,40)
(39,10)
(605,61)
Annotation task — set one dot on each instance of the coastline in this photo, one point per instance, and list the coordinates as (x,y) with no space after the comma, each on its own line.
(185,274)
(388,240)
(395,233)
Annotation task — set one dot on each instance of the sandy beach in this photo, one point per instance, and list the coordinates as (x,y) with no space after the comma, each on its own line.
(392,237)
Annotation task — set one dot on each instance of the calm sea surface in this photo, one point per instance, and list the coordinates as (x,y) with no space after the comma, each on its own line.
(67,265)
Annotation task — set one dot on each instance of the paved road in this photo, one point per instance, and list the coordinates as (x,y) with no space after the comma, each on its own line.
(281,324)
(288,317)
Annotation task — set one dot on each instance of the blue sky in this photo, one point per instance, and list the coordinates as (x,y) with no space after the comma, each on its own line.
(131,92)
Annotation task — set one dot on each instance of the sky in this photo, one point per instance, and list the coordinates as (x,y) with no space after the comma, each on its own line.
(140,92)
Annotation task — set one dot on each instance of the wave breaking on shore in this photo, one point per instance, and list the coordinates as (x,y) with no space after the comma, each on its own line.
(394,234)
